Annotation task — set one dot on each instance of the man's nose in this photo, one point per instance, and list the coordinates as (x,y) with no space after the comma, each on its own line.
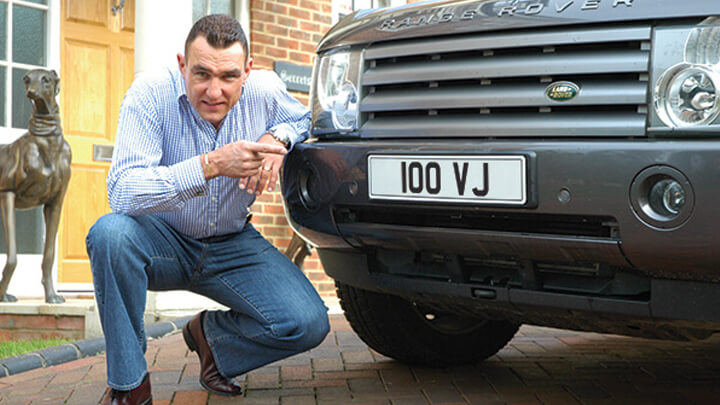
(214,88)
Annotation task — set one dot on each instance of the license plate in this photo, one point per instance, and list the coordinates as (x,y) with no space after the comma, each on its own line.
(481,179)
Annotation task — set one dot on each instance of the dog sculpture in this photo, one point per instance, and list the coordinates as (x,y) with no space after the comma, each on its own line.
(34,171)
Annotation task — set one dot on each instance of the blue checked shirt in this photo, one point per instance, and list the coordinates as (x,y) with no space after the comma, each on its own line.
(156,169)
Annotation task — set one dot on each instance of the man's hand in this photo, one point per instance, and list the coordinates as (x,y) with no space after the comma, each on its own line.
(240,159)
(268,174)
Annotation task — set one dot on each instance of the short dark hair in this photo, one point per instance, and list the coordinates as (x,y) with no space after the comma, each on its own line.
(220,30)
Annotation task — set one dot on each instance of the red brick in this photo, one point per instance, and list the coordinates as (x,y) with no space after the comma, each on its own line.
(325,287)
(308,26)
(295,373)
(191,397)
(276,8)
(262,16)
(273,209)
(35,322)
(298,34)
(299,13)
(262,38)
(282,243)
(7,321)
(281,220)
(322,18)
(71,323)
(257,26)
(276,30)
(287,22)
(262,62)
(288,43)
(300,57)
(317,37)
(256,49)
(313,5)
(288,2)
(275,230)
(262,219)
(276,53)
(315,276)
(264,198)
(307,47)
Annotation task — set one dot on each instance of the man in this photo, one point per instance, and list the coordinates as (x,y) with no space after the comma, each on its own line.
(194,147)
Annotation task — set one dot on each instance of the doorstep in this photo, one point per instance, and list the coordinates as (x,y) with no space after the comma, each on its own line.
(35,319)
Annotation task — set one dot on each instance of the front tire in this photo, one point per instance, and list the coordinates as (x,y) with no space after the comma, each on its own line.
(409,333)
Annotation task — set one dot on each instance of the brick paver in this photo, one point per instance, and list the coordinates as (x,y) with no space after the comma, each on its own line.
(539,366)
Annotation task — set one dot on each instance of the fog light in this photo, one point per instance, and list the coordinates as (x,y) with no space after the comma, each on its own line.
(667,197)
(662,197)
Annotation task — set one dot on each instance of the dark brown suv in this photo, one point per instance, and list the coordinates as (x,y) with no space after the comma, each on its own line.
(476,165)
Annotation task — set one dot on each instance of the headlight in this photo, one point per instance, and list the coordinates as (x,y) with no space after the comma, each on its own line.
(688,95)
(686,69)
(335,96)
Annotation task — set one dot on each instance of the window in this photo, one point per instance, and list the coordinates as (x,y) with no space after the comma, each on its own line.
(239,9)
(204,7)
(23,46)
(342,8)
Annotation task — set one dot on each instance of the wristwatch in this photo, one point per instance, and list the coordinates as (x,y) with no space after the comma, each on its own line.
(281,135)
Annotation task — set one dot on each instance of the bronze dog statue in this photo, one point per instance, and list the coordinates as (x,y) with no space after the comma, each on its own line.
(34,171)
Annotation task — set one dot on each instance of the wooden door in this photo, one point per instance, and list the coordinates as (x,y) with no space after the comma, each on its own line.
(97,59)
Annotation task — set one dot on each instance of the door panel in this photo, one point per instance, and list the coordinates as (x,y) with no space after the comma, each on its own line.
(88,88)
(87,12)
(97,66)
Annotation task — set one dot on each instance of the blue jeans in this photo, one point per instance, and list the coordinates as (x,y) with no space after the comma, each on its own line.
(274,310)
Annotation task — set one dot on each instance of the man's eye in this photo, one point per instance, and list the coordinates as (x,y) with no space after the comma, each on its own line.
(201,75)
(231,78)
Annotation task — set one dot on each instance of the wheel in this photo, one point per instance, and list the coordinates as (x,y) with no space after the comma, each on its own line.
(411,333)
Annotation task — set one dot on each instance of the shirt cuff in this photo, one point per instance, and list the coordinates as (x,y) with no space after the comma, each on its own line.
(189,179)
(285,131)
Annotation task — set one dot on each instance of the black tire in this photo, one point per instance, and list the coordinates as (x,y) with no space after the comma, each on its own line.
(399,329)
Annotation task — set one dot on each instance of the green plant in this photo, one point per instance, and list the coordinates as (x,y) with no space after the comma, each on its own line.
(10,348)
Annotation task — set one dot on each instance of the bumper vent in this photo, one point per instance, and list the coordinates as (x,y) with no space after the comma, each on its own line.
(494,85)
(566,225)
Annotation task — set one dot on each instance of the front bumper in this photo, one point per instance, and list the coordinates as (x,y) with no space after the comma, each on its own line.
(579,209)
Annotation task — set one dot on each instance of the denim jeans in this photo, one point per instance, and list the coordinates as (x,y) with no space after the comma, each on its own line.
(274,310)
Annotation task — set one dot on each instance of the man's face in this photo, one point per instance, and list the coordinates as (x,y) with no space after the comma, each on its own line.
(213,78)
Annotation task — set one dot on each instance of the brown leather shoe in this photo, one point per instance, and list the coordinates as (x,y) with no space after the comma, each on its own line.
(141,395)
(210,377)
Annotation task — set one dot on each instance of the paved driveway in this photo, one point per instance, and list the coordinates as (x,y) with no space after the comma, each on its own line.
(539,366)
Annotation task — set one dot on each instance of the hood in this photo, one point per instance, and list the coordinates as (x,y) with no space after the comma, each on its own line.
(444,17)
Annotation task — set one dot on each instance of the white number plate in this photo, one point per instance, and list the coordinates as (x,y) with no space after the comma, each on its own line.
(487,179)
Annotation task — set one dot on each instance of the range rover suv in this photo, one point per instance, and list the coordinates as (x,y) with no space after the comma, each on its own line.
(479,164)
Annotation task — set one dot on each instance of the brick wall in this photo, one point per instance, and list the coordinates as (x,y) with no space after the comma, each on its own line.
(30,327)
(287,31)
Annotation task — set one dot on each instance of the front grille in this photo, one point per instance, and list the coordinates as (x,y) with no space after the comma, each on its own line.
(494,85)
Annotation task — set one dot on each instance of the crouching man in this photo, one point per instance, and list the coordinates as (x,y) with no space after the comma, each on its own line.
(195,146)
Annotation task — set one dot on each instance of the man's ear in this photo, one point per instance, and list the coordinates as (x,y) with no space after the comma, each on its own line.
(248,68)
(181,62)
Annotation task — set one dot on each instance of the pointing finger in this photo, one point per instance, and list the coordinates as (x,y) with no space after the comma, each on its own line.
(266,148)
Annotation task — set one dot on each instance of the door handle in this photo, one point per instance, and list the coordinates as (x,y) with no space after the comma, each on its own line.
(118,7)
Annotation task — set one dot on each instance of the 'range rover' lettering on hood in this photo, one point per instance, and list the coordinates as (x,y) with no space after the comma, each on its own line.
(432,18)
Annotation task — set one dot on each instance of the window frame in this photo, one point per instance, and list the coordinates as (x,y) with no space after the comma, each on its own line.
(52,57)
